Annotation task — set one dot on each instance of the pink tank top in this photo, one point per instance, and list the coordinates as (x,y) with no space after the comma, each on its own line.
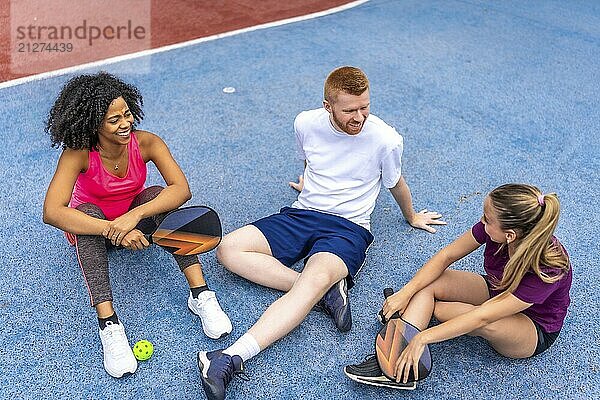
(109,192)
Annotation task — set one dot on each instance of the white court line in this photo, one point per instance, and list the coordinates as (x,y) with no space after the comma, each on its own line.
(192,42)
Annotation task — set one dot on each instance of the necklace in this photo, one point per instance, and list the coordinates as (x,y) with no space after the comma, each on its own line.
(116,167)
(117,163)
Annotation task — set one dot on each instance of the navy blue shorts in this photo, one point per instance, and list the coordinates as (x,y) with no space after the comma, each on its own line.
(294,234)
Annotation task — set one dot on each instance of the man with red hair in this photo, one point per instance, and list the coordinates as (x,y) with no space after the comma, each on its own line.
(347,155)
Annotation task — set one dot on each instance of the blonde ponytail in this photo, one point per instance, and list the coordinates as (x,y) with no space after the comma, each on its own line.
(534,217)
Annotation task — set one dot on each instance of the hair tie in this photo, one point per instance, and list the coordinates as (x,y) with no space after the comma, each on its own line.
(540,199)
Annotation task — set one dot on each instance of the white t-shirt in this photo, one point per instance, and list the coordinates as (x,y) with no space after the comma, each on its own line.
(344,172)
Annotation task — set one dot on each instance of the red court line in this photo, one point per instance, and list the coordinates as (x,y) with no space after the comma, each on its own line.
(177,21)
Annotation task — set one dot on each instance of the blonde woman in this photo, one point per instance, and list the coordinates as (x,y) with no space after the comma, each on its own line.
(518,306)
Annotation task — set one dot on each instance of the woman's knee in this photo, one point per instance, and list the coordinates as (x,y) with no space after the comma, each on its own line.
(146,195)
(152,191)
(92,210)
(439,287)
(460,286)
(435,290)
(427,292)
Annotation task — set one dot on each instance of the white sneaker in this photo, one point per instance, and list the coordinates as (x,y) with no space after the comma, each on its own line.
(118,357)
(215,323)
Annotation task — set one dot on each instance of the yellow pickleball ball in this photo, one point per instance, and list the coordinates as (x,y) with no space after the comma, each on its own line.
(143,350)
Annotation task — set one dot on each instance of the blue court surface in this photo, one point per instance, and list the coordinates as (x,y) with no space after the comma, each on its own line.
(483,92)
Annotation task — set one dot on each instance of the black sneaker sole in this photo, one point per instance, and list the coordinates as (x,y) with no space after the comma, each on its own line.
(382,382)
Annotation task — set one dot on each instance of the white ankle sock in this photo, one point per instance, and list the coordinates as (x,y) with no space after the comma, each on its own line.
(246,347)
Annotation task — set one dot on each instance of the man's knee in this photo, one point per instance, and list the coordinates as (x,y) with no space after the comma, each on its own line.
(321,278)
(247,239)
(312,288)
(226,251)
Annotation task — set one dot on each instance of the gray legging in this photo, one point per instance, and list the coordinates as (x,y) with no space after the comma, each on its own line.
(92,250)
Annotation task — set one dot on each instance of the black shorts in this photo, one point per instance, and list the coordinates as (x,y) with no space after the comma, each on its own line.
(544,339)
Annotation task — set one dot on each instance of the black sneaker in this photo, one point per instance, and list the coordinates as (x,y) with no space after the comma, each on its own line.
(369,373)
(216,371)
(336,303)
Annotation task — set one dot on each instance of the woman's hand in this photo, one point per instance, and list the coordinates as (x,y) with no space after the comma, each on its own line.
(135,240)
(117,229)
(396,302)
(410,359)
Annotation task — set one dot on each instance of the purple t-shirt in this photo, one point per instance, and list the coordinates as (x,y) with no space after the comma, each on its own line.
(550,300)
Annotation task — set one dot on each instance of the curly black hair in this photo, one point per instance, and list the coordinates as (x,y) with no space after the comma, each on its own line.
(81,105)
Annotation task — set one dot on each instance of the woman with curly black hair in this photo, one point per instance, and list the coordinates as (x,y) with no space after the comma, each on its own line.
(98,197)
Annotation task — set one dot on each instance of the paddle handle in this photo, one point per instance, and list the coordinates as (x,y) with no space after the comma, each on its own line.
(148,237)
(387,292)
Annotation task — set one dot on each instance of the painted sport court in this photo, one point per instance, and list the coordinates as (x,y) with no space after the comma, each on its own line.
(483,92)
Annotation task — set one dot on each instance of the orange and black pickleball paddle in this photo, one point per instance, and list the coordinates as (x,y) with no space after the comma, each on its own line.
(188,231)
(392,339)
